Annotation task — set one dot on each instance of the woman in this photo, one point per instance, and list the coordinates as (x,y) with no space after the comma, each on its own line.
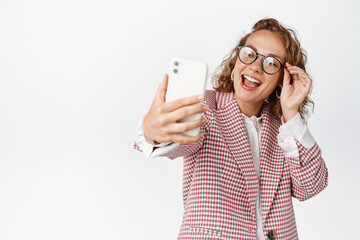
(254,152)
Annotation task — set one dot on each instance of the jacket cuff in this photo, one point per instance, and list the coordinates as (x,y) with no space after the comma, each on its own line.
(295,128)
(149,148)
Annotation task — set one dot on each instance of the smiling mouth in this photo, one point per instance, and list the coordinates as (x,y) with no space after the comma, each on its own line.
(249,83)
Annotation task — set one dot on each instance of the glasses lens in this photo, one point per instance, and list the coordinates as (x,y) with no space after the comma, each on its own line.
(247,55)
(271,65)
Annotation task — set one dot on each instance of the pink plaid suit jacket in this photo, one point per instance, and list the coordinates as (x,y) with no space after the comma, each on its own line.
(220,183)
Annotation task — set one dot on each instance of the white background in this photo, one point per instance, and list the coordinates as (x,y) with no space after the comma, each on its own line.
(77,76)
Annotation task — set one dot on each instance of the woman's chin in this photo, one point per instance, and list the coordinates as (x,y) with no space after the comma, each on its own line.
(246,98)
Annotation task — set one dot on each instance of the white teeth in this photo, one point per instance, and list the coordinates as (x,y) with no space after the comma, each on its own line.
(251,79)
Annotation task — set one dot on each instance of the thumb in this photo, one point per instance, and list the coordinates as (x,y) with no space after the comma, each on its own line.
(160,96)
(286,81)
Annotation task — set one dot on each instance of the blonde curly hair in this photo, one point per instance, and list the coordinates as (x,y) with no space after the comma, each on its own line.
(295,55)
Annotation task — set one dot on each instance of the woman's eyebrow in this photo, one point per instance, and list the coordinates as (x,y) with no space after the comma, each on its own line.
(277,57)
(273,55)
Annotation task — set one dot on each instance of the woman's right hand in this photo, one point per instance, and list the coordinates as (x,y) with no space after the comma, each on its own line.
(161,123)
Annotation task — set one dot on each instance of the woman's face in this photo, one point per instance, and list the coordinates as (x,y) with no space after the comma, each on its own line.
(247,92)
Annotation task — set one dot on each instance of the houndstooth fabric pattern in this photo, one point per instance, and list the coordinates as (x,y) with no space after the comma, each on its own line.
(220,183)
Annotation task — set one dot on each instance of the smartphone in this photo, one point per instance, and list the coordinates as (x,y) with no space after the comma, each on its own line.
(187,77)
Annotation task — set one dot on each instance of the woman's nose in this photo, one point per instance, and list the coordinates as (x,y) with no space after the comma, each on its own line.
(256,66)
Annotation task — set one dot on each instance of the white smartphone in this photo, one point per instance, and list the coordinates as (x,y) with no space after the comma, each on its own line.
(186,78)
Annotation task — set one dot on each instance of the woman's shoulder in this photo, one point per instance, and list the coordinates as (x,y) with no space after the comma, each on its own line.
(216,99)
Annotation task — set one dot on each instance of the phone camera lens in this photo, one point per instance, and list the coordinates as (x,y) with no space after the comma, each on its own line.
(175,70)
(176,63)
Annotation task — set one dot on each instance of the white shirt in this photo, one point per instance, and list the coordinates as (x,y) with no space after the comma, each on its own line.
(293,129)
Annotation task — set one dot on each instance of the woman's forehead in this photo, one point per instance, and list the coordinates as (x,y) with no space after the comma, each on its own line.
(267,43)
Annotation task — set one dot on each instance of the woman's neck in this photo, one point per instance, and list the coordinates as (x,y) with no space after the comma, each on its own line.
(249,109)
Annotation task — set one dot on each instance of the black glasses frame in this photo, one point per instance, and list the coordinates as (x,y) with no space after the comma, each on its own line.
(262,62)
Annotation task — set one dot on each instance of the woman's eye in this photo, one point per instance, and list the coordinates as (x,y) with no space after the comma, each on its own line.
(273,64)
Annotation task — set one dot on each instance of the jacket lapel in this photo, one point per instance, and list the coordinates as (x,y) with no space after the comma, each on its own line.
(271,161)
(234,131)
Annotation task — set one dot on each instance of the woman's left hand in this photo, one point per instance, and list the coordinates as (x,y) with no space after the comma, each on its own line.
(293,95)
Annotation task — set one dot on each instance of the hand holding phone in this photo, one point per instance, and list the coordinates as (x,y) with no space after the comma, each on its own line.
(168,120)
(186,78)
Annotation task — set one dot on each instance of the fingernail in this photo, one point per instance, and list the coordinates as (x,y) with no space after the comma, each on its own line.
(201,97)
(205,107)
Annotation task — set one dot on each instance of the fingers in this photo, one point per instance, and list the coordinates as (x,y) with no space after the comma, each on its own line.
(286,81)
(186,112)
(161,92)
(182,102)
(181,138)
(299,74)
(302,77)
(185,126)
(175,132)
(291,67)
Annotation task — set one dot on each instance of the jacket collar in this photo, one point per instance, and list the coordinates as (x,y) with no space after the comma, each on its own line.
(271,162)
(232,125)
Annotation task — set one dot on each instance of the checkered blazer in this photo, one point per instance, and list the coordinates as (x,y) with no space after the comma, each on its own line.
(220,183)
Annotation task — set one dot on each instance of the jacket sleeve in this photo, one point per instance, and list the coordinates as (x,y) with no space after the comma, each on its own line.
(309,174)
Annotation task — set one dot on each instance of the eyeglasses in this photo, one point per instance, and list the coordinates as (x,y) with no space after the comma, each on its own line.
(248,55)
